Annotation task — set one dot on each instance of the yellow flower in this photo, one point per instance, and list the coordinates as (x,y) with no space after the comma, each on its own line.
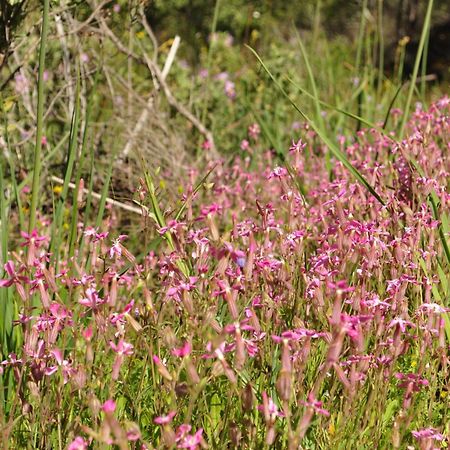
(140,34)
(254,36)
(57,189)
(331,429)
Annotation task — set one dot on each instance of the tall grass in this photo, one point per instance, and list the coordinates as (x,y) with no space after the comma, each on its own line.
(320,132)
(277,298)
(37,165)
(419,56)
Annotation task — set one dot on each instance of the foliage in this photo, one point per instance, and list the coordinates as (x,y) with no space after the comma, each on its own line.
(246,276)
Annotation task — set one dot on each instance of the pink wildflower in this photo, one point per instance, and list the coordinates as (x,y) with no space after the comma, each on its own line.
(109,406)
(183,351)
(78,444)
(230,90)
(188,441)
(297,147)
(116,248)
(33,239)
(428,433)
(278,172)
(122,348)
(164,420)
(316,406)
(254,131)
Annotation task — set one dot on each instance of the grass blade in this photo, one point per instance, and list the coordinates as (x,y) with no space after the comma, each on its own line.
(312,82)
(413,80)
(57,228)
(40,120)
(333,148)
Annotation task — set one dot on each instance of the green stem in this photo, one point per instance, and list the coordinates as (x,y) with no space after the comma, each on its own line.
(40,120)
(381,50)
(419,54)
(362,29)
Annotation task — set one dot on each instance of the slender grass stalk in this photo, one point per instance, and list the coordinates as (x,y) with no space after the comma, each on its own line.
(79,171)
(312,81)
(104,193)
(316,26)
(336,108)
(102,203)
(401,51)
(359,55)
(361,33)
(267,132)
(444,227)
(391,105)
(193,193)
(380,49)
(5,303)
(419,54)
(12,168)
(158,216)
(209,60)
(9,340)
(57,226)
(333,148)
(423,82)
(40,120)
(88,207)
(46,159)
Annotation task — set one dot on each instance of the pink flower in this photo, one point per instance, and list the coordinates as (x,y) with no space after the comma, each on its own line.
(245,145)
(230,90)
(109,406)
(297,147)
(411,380)
(164,420)
(278,172)
(116,248)
(122,348)
(92,300)
(207,145)
(316,406)
(428,433)
(433,308)
(14,278)
(21,84)
(183,351)
(172,226)
(33,239)
(401,323)
(270,409)
(203,73)
(254,131)
(188,441)
(78,444)
(93,232)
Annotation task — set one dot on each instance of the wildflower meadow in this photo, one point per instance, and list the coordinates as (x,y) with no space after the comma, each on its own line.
(249,248)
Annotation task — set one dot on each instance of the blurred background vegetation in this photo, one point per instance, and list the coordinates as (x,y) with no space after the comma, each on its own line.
(269,21)
(328,55)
